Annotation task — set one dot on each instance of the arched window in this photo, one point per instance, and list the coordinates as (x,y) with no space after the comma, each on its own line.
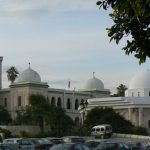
(138,93)
(59,102)
(5,102)
(53,101)
(76,104)
(68,103)
(132,94)
(76,121)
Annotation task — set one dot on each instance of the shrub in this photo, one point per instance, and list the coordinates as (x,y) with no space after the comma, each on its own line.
(25,134)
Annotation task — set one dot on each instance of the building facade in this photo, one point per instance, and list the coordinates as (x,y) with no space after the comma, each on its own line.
(135,105)
(29,82)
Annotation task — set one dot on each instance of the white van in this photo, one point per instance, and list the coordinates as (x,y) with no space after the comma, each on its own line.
(102,131)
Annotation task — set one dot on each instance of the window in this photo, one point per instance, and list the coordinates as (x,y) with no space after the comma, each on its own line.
(59,102)
(138,93)
(68,103)
(132,94)
(19,100)
(149,123)
(5,102)
(149,93)
(53,101)
(76,121)
(76,104)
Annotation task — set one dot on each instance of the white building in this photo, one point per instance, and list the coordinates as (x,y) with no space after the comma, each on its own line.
(29,82)
(135,106)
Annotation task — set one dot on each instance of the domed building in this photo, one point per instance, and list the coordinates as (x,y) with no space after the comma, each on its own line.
(95,87)
(135,106)
(29,82)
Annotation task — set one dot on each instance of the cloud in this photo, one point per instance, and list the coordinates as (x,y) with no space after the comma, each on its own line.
(20,6)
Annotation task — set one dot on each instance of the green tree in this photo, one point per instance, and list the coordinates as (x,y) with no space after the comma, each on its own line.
(98,116)
(40,112)
(12,74)
(121,90)
(60,123)
(40,108)
(131,19)
(5,117)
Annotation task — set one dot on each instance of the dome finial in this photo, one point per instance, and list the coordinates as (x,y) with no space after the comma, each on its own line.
(29,64)
(93,74)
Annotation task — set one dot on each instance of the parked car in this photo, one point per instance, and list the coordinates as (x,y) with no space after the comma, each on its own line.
(11,142)
(138,145)
(55,140)
(4,147)
(34,144)
(93,144)
(113,145)
(73,139)
(102,131)
(70,146)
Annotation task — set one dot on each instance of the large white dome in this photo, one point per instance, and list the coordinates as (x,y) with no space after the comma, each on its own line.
(94,84)
(141,80)
(29,75)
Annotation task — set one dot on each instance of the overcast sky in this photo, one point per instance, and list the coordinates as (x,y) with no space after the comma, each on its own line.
(63,39)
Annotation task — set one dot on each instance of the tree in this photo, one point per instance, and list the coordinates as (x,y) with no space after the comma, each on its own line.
(12,74)
(121,90)
(131,19)
(40,112)
(98,116)
(39,107)
(5,117)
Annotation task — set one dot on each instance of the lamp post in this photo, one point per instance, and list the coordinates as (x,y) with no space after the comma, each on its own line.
(82,108)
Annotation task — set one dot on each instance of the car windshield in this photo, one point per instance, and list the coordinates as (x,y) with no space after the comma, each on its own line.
(75,140)
(92,144)
(39,141)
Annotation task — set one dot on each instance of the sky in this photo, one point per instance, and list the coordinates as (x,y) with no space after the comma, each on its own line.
(63,40)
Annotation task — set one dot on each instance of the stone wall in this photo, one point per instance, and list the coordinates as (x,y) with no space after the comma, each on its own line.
(16,129)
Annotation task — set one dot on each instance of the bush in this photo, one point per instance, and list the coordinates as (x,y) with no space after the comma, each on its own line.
(139,131)
(7,133)
(25,134)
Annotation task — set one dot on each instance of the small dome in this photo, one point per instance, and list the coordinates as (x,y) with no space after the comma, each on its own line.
(29,75)
(141,80)
(94,84)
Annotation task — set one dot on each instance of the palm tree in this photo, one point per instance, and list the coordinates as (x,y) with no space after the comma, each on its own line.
(12,74)
(121,90)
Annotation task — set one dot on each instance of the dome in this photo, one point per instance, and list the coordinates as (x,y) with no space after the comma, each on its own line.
(29,75)
(141,80)
(94,84)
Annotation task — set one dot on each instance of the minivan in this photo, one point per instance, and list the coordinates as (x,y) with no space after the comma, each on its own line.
(102,131)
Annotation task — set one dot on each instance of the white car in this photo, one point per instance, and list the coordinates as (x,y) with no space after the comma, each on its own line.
(12,142)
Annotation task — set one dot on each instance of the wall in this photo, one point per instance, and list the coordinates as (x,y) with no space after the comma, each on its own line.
(16,129)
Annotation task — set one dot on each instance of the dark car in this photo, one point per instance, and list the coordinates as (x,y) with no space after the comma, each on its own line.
(138,145)
(70,146)
(112,146)
(73,139)
(93,144)
(55,140)
(34,144)
(4,147)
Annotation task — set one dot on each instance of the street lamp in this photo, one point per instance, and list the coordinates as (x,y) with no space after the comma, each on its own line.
(82,108)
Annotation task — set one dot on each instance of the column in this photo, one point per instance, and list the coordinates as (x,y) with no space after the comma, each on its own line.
(140,116)
(1,59)
(130,110)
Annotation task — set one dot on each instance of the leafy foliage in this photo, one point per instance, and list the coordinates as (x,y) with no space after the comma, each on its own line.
(40,112)
(7,133)
(5,117)
(121,90)
(131,18)
(12,74)
(107,116)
